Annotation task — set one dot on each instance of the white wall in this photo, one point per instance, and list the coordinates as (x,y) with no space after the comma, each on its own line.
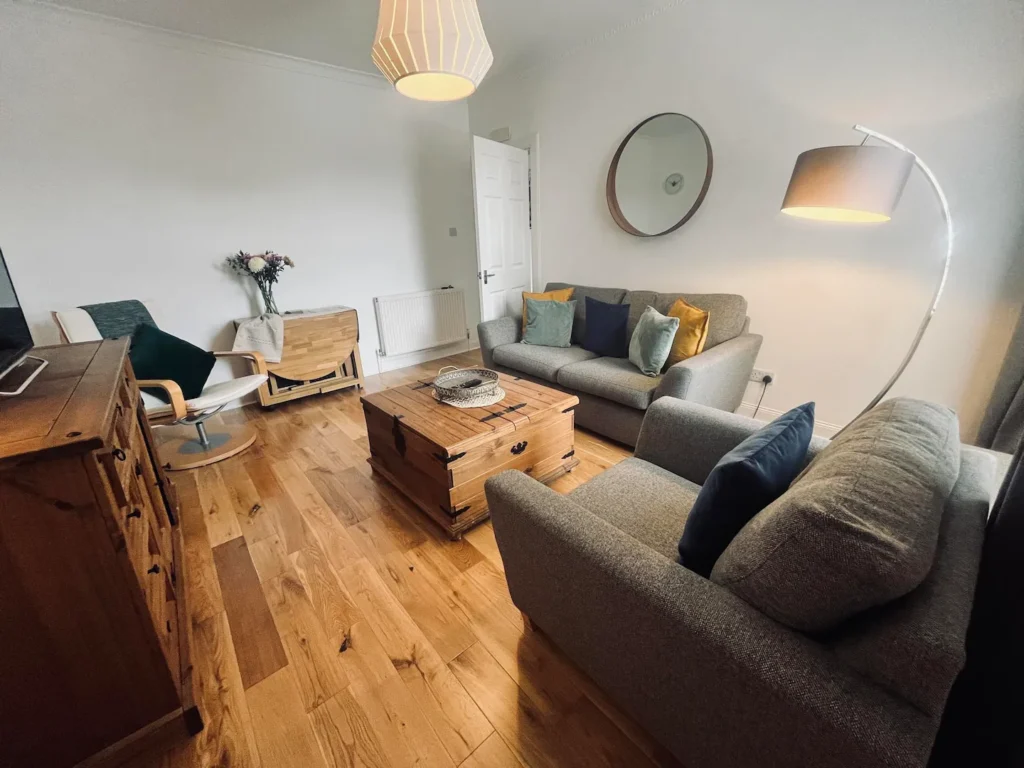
(837,305)
(132,162)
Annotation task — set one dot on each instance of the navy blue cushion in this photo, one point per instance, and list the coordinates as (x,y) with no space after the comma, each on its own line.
(159,355)
(747,479)
(607,329)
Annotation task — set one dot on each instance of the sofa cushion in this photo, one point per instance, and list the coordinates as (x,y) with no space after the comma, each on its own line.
(548,323)
(643,500)
(542,362)
(611,378)
(580,294)
(728,311)
(652,341)
(858,528)
(746,480)
(606,328)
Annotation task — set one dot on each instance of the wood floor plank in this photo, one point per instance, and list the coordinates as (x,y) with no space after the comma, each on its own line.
(284,735)
(269,558)
(204,597)
(333,606)
(227,739)
(454,716)
(291,528)
(347,738)
(255,521)
(493,753)
(257,644)
(313,655)
(218,508)
(482,539)
(406,713)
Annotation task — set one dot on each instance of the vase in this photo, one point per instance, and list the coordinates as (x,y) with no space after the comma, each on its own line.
(270,306)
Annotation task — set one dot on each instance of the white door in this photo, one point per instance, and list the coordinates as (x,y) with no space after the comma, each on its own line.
(501,185)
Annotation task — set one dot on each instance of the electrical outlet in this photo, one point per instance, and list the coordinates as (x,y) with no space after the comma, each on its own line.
(759,375)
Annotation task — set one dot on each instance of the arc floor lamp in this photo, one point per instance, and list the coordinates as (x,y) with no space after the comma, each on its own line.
(863,184)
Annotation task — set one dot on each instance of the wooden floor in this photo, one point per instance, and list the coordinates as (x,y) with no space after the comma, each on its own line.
(336,626)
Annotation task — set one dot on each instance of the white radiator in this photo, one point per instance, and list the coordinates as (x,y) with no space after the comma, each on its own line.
(418,321)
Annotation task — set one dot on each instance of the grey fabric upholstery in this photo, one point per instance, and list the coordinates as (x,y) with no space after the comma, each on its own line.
(858,528)
(717,682)
(612,378)
(915,646)
(689,439)
(544,362)
(497,333)
(643,500)
(718,377)
(728,312)
(607,295)
(616,422)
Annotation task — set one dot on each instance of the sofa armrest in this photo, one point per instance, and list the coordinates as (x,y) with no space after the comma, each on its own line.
(692,662)
(688,439)
(495,333)
(717,377)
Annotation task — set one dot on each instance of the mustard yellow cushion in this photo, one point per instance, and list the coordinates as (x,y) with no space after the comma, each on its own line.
(563,295)
(692,334)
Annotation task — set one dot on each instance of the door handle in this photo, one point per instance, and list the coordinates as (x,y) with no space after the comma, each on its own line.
(485,274)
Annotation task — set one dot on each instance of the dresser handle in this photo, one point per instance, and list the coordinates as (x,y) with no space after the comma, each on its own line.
(135,513)
(118,454)
(519,448)
(154,569)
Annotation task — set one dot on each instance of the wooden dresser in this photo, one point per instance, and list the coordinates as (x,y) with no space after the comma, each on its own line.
(94,640)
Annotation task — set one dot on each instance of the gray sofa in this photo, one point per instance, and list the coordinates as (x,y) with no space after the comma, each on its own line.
(613,394)
(710,676)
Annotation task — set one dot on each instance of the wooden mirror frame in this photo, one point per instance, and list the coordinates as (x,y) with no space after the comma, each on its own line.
(613,201)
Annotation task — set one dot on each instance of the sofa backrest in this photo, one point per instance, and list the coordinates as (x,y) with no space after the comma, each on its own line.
(728,311)
(916,646)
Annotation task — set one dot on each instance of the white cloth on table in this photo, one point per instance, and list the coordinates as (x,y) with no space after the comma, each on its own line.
(263,334)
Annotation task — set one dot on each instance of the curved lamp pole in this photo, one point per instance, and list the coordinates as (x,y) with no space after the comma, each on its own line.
(863,184)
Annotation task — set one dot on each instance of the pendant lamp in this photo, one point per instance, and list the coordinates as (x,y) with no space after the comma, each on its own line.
(432,50)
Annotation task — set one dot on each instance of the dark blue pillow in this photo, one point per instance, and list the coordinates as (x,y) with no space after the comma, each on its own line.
(747,479)
(606,329)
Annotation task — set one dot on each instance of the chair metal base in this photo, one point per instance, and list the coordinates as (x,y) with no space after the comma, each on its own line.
(185,447)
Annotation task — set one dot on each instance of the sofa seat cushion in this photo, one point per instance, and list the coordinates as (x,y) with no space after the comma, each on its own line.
(612,378)
(728,312)
(643,500)
(542,362)
(858,528)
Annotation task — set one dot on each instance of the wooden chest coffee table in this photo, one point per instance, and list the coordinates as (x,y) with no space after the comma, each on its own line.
(440,456)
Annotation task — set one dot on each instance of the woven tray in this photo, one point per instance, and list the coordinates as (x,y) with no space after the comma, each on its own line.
(454,384)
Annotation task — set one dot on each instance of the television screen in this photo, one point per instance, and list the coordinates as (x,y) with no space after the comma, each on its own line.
(15,338)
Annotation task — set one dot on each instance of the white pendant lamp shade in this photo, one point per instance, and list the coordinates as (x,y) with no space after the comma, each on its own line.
(432,50)
(850,183)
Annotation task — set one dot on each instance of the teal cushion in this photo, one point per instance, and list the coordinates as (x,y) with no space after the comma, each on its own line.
(549,323)
(652,341)
(159,355)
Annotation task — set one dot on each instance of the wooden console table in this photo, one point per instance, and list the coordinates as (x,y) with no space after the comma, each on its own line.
(321,354)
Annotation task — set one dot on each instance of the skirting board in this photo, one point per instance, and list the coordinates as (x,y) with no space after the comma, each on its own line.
(821,428)
(385,364)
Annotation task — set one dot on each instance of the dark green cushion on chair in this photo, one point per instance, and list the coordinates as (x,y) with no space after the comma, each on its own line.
(115,319)
(159,355)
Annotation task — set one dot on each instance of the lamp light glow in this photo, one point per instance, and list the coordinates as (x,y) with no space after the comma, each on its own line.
(432,50)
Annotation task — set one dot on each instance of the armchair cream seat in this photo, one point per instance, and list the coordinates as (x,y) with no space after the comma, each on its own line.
(184,450)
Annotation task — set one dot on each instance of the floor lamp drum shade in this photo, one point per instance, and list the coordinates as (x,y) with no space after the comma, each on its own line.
(432,50)
(849,183)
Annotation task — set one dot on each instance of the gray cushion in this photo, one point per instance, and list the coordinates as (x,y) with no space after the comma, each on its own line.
(728,311)
(858,528)
(543,362)
(643,500)
(651,342)
(612,378)
(549,323)
(607,295)
(916,646)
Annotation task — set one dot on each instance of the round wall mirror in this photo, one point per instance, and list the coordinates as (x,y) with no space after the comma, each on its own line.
(660,175)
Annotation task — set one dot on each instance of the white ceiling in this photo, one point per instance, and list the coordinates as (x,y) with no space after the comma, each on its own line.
(340,32)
